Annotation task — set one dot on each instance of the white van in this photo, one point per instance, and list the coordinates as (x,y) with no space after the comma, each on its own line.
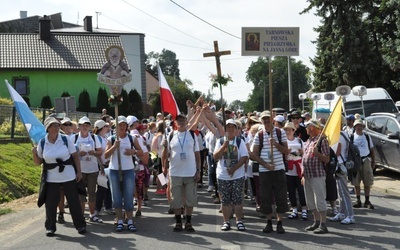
(376,100)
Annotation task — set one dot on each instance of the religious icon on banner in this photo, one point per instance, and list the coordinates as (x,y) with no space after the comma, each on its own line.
(115,72)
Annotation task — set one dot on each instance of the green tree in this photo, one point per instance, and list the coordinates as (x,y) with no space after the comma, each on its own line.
(258,74)
(356,44)
(65,94)
(102,100)
(124,107)
(84,102)
(46,102)
(136,104)
(167,61)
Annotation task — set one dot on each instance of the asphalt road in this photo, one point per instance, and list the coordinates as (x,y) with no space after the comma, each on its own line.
(374,229)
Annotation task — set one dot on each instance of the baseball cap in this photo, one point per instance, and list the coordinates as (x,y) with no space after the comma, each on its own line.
(84,119)
(350,117)
(313,122)
(279,118)
(65,120)
(141,126)
(131,119)
(100,124)
(121,119)
(231,122)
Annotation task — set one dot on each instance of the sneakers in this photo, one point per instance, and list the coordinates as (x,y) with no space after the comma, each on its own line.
(368,205)
(60,218)
(334,212)
(338,217)
(321,230)
(50,233)
(357,204)
(210,189)
(348,220)
(81,230)
(138,213)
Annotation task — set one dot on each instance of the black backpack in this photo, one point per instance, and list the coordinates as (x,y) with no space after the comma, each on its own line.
(330,167)
(354,162)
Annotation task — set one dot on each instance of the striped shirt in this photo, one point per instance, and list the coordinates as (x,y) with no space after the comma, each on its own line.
(266,149)
(313,166)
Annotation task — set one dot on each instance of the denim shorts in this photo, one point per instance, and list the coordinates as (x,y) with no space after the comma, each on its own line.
(128,186)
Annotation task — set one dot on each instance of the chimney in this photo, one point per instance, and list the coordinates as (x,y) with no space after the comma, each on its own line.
(87,23)
(23,14)
(44,28)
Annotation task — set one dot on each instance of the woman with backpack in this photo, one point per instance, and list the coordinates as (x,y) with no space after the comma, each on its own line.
(57,153)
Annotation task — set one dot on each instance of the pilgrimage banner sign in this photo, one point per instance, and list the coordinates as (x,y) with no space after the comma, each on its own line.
(272,41)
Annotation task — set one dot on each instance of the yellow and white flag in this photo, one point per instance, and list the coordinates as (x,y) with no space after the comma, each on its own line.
(333,125)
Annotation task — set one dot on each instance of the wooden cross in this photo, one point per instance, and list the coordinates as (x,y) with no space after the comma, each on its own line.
(217,55)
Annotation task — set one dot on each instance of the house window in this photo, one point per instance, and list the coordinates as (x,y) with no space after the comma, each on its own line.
(21,85)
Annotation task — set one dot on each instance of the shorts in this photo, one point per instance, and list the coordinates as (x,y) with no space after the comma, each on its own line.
(315,191)
(183,188)
(231,191)
(90,179)
(365,174)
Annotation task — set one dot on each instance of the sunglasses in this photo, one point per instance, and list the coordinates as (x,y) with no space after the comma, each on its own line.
(67,124)
(295,118)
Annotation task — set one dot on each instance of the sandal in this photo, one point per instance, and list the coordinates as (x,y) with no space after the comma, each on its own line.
(178,227)
(119,228)
(304,215)
(226,226)
(94,218)
(132,228)
(293,215)
(189,228)
(240,226)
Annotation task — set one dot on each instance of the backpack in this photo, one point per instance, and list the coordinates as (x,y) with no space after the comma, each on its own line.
(63,137)
(132,146)
(279,135)
(330,167)
(354,162)
(238,140)
(94,141)
(191,132)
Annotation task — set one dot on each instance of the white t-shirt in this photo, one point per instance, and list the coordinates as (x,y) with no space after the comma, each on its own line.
(344,145)
(361,142)
(89,163)
(182,148)
(103,142)
(295,146)
(58,150)
(266,149)
(126,160)
(222,172)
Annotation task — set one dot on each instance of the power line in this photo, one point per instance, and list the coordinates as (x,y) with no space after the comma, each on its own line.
(204,20)
(165,23)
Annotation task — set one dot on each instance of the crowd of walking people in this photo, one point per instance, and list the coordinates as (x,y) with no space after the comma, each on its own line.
(276,160)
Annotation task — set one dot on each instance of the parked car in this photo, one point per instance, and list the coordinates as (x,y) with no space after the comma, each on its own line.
(384,129)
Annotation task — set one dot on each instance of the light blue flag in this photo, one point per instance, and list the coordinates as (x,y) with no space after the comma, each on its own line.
(33,126)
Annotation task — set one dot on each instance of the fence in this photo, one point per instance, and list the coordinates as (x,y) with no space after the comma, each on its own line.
(10,122)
